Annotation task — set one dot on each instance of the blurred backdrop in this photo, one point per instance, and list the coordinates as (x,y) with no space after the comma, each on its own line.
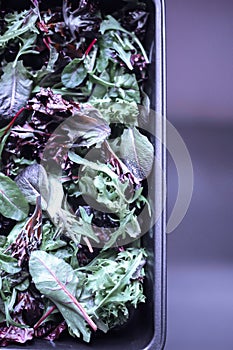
(200,106)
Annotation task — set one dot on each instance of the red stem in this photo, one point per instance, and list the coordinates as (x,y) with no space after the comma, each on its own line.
(14,119)
(73,299)
(90,47)
(37,325)
(46,42)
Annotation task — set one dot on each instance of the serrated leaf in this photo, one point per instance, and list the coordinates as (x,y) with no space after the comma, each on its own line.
(112,282)
(119,111)
(12,202)
(18,24)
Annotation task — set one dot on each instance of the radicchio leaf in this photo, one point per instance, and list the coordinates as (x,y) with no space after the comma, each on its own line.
(29,238)
(13,334)
(48,103)
(84,20)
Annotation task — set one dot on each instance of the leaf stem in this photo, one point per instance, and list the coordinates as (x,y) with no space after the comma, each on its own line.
(88,243)
(37,325)
(14,119)
(90,47)
(74,300)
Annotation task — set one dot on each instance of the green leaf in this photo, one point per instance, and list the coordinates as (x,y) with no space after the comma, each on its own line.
(12,202)
(100,183)
(136,152)
(26,46)
(9,264)
(94,166)
(119,111)
(48,243)
(128,87)
(15,89)
(84,128)
(15,232)
(110,23)
(104,56)
(74,73)
(33,181)
(4,136)
(57,281)
(113,282)
(18,24)
(123,55)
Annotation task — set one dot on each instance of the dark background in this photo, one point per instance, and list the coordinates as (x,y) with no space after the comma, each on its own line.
(200,106)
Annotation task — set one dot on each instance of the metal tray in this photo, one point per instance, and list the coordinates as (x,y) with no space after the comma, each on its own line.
(146,329)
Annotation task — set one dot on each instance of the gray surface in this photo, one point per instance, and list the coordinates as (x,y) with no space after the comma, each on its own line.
(199,56)
(200,254)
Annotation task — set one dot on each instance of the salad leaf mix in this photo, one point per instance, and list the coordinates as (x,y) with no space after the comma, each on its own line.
(73,167)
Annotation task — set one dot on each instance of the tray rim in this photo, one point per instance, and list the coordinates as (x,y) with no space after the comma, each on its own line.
(160,246)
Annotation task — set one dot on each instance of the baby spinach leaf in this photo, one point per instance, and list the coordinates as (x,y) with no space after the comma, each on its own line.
(57,281)
(136,152)
(12,202)
(128,88)
(15,89)
(26,46)
(74,73)
(8,264)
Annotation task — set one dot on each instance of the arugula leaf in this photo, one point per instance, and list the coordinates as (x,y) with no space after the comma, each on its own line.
(15,89)
(26,46)
(12,202)
(18,24)
(110,23)
(57,281)
(124,56)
